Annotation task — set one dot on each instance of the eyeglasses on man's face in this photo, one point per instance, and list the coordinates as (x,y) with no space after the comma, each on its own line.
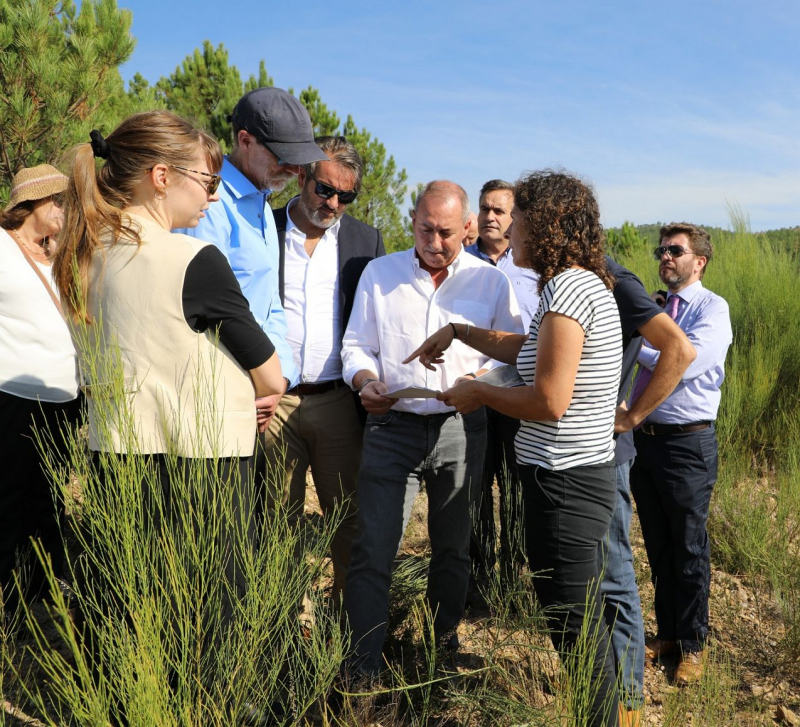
(326,192)
(212,185)
(672,250)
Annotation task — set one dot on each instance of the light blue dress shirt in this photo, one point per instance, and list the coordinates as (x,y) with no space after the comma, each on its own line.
(524,282)
(241,225)
(706,320)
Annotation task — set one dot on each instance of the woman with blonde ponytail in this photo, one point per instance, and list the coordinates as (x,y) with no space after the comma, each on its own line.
(170,356)
(167,301)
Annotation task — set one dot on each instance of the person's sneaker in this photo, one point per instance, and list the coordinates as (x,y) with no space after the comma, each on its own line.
(654,649)
(691,667)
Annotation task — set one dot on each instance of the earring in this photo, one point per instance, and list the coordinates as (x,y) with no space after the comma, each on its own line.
(164,190)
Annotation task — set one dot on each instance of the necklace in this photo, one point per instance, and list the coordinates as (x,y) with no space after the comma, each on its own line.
(43,251)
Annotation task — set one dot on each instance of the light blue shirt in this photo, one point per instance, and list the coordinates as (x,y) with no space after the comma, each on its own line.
(706,320)
(524,282)
(241,225)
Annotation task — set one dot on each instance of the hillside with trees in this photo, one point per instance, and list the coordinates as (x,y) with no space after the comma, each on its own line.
(60,78)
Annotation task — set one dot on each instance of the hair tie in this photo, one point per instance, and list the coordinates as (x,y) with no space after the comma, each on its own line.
(99,144)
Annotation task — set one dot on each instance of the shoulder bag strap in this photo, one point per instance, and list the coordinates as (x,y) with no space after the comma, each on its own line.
(38,272)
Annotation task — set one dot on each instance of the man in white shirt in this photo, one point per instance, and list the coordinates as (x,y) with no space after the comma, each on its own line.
(317,423)
(401,299)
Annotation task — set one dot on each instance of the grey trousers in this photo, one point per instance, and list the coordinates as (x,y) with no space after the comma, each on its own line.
(400,451)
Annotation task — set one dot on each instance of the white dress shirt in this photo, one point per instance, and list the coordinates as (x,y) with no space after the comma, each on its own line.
(397,307)
(312,305)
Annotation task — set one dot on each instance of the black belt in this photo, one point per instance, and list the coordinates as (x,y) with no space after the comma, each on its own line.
(311,389)
(656,429)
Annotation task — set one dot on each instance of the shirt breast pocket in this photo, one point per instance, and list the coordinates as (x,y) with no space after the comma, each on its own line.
(472,312)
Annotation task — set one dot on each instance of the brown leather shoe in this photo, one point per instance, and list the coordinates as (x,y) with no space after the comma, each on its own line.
(654,649)
(690,669)
(629,717)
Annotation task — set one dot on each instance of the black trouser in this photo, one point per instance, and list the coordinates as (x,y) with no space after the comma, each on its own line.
(567,514)
(167,515)
(500,463)
(671,481)
(30,505)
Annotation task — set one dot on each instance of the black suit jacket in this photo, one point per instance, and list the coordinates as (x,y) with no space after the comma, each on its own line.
(358,244)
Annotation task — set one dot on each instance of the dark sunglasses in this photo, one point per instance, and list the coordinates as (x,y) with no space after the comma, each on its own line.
(326,192)
(211,186)
(672,250)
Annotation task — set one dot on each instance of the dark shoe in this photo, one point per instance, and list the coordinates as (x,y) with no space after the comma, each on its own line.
(654,649)
(691,667)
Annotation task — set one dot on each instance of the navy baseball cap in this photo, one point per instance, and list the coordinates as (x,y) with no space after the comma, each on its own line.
(281,123)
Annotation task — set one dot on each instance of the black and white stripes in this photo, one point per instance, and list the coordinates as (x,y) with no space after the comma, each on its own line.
(584,435)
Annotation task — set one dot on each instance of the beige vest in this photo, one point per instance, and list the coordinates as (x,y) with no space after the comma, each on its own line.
(176,391)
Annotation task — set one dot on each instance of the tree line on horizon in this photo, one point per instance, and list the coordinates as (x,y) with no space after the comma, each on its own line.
(60,78)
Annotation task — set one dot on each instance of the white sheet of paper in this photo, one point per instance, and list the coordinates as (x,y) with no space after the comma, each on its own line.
(413,392)
(505,376)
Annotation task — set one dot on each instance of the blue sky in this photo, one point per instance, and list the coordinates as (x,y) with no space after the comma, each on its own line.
(673,110)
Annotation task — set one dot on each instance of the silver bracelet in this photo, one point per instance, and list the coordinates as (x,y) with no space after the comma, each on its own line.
(363,384)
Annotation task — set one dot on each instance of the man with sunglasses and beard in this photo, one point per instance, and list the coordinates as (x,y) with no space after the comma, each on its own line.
(272,137)
(676,453)
(318,423)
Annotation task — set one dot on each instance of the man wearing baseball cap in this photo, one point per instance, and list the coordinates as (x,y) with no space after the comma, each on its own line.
(272,138)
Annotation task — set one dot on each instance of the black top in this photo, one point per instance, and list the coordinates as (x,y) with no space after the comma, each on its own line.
(635,309)
(212,298)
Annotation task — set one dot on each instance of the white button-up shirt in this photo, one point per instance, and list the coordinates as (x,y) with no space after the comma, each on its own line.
(311,302)
(397,306)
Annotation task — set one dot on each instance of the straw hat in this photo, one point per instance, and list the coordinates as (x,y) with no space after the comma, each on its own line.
(34,183)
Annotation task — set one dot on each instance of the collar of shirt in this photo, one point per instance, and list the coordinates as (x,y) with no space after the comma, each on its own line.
(421,273)
(689,293)
(475,249)
(238,185)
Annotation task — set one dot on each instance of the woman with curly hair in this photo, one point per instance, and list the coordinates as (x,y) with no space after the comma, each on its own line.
(570,361)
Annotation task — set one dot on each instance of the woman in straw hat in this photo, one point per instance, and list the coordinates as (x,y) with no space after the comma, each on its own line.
(38,383)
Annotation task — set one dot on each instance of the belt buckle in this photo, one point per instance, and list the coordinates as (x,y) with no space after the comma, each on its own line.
(647,428)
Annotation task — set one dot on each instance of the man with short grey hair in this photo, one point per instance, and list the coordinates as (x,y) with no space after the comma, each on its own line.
(317,425)
(401,299)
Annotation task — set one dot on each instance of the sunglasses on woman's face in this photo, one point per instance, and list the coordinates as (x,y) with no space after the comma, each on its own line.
(672,250)
(211,186)
(326,192)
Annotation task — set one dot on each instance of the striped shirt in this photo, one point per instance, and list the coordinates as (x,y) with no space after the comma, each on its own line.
(585,434)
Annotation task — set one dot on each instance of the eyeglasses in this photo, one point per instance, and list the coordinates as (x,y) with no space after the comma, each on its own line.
(326,192)
(211,186)
(672,250)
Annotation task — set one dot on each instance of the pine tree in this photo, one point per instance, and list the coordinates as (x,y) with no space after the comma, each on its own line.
(59,77)
(383,188)
(204,89)
(624,242)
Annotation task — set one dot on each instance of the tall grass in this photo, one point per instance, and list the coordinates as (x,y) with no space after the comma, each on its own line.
(755,514)
(167,637)
(186,603)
